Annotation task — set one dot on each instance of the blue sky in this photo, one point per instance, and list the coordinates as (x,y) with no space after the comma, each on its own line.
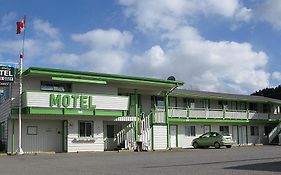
(227,46)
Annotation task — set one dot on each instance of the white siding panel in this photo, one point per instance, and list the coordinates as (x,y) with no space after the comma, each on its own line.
(160,137)
(41,99)
(96,145)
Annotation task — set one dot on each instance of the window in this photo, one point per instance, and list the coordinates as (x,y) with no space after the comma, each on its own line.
(190,131)
(222,104)
(265,108)
(254,131)
(55,87)
(253,107)
(31,130)
(224,129)
(86,128)
(160,101)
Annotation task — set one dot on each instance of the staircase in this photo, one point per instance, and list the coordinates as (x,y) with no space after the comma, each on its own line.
(145,132)
(273,136)
(126,137)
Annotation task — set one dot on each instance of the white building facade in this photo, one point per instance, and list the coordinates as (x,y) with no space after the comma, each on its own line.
(73,111)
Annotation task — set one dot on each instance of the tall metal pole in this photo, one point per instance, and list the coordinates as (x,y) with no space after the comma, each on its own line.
(19,150)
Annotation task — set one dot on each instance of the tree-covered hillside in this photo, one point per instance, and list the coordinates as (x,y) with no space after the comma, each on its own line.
(270,92)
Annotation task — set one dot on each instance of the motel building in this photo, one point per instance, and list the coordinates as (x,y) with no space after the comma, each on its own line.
(74,111)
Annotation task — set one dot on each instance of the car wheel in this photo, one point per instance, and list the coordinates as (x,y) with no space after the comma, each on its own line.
(228,146)
(195,145)
(217,145)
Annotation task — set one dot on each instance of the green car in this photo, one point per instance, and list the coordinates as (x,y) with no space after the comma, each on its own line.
(213,139)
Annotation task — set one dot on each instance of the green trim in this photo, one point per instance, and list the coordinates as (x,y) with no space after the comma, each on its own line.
(181,120)
(108,113)
(31,110)
(100,76)
(136,113)
(129,106)
(77,112)
(79,80)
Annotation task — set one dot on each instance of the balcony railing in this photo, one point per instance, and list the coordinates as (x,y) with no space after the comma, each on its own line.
(205,113)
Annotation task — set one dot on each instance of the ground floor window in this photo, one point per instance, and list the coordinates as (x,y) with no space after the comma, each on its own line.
(86,128)
(224,129)
(254,131)
(189,130)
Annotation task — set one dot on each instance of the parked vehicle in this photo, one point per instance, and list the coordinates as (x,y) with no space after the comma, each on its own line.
(213,139)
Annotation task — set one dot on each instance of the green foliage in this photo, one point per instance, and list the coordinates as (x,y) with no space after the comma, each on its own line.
(270,92)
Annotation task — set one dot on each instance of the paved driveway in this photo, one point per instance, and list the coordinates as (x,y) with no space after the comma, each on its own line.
(258,160)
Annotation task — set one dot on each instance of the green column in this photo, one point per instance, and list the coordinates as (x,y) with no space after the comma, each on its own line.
(137,114)
(167,119)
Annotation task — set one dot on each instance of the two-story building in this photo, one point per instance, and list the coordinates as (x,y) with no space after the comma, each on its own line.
(73,111)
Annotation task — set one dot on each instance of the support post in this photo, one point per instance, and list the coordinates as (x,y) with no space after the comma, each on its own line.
(167,119)
(137,114)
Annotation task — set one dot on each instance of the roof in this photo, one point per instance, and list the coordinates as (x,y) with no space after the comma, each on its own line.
(222,96)
(100,76)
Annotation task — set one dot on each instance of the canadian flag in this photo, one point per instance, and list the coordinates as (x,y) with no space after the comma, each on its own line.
(21,25)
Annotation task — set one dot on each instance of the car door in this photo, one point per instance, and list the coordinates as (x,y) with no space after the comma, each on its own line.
(204,140)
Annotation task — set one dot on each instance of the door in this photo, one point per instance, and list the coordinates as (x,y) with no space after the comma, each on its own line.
(173,132)
(242,135)
(235,134)
(110,144)
(207,128)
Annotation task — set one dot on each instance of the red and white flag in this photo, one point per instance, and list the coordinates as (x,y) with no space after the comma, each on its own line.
(21,25)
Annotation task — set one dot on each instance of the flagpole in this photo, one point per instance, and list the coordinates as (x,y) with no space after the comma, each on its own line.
(19,150)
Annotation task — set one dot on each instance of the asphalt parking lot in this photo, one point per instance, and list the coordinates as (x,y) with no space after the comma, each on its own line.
(237,160)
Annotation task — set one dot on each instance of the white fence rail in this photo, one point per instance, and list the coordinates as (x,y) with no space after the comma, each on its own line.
(176,112)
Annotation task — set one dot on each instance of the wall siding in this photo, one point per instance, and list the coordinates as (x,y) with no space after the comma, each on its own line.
(160,137)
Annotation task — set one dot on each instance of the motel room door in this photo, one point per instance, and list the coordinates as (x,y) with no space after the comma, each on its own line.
(173,132)
(207,128)
(242,135)
(235,134)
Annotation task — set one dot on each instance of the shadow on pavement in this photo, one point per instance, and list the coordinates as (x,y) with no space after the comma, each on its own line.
(220,162)
(269,166)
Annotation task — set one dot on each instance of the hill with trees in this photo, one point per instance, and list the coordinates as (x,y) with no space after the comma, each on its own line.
(270,92)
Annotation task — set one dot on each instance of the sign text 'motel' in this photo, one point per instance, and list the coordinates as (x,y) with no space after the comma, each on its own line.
(6,74)
(71,101)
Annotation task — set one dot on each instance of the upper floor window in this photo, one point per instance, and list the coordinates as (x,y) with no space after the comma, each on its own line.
(253,107)
(55,87)
(265,108)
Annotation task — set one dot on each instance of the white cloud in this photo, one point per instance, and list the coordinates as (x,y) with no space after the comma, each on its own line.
(106,51)
(104,39)
(6,21)
(276,76)
(44,27)
(167,14)
(217,66)
(37,46)
(269,11)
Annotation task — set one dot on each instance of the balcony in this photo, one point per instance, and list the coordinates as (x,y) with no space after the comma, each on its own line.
(205,113)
